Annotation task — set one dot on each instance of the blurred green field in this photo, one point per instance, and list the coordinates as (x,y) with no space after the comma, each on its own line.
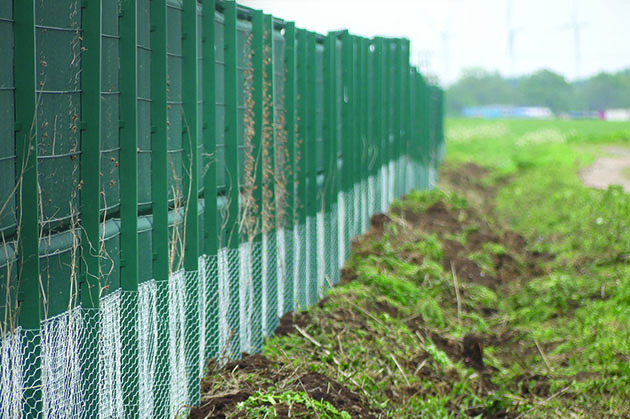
(507,145)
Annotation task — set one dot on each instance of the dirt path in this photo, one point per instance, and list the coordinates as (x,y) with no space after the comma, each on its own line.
(610,170)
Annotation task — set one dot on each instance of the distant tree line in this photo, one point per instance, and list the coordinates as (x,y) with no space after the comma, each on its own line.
(544,88)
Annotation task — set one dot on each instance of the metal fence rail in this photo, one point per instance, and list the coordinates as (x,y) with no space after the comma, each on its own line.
(175,175)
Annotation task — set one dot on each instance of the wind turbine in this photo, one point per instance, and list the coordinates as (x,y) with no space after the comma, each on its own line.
(511,37)
(576,26)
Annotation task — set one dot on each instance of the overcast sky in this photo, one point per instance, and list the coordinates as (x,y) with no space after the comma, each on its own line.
(448,36)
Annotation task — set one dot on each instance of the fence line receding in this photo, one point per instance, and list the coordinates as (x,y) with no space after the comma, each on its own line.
(175,175)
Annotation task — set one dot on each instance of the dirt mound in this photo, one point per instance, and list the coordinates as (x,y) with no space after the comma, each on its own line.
(476,240)
(438,218)
(378,221)
(347,275)
(290,320)
(468,180)
(217,401)
(319,387)
(509,258)
(238,380)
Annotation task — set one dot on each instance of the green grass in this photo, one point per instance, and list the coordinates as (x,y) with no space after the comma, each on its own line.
(584,303)
(268,404)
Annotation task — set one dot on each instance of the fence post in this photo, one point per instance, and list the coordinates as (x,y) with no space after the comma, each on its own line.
(159,185)
(291,124)
(365,136)
(302,135)
(356,138)
(389,106)
(270,179)
(372,123)
(190,110)
(258,46)
(398,101)
(90,201)
(425,116)
(129,203)
(230,235)
(29,294)
(191,134)
(378,116)
(407,109)
(330,150)
(412,136)
(347,121)
(210,170)
(311,163)
(358,155)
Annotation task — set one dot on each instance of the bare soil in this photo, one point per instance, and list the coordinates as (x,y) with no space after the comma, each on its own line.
(608,170)
(219,401)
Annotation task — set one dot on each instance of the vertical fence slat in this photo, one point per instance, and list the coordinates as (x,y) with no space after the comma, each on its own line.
(191,193)
(129,203)
(230,235)
(291,121)
(301,143)
(330,148)
(348,131)
(329,119)
(358,134)
(91,153)
(90,199)
(210,170)
(410,71)
(379,125)
(269,143)
(27,204)
(364,139)
(312,201)
(387,127)
(129,146)
(258,47)
(159,191)
(191,133)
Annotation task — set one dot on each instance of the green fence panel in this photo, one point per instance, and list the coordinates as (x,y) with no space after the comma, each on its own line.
(144,108)
(8,275)
(7,104)
(110,111)
(58,88)
(220,101)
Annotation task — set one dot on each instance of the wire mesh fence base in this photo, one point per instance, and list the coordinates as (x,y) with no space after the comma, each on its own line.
(232,302)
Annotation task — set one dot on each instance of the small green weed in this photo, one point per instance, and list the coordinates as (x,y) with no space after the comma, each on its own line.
(296,404)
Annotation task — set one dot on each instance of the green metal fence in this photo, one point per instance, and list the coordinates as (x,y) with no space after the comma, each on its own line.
(175,175)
